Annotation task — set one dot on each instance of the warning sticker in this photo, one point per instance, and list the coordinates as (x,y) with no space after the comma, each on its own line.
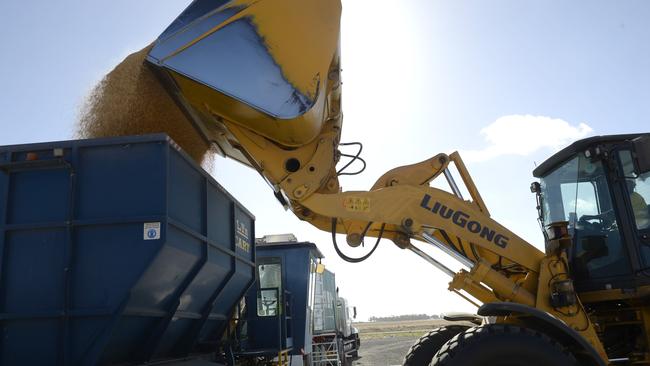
(151,230)
(357,204)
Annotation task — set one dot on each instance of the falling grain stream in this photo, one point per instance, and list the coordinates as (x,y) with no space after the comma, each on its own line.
(130,100)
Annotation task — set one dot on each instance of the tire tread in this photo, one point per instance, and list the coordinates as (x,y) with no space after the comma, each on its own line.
(418,349)
(456,345)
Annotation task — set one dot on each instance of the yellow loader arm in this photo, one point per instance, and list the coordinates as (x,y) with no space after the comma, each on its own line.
(261,81)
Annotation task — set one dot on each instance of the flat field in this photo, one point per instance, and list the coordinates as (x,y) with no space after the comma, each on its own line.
(395,328)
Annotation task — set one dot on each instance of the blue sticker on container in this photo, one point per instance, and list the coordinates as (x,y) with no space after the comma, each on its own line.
(151,230)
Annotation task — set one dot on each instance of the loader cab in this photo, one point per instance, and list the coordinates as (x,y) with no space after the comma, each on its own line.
(601,187)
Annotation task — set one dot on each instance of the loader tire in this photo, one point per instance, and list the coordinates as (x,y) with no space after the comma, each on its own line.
(502,345)
(421,353)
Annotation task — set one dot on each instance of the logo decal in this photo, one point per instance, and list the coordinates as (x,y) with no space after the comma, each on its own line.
(465,221)
(241,236)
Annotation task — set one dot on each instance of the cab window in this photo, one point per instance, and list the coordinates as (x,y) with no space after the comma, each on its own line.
(638,190)
(578,192)
(270,288)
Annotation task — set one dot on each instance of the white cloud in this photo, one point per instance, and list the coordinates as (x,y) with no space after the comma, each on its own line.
(524,135)
(585,207)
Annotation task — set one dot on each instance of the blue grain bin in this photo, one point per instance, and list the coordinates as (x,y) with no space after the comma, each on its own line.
(115,251)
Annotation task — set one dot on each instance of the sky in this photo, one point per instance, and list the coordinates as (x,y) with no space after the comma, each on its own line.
(505,82)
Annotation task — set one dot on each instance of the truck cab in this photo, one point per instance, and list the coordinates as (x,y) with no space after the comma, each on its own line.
(294,310)
(345,314)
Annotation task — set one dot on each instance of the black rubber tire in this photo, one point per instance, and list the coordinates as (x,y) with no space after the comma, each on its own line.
(502,345)
(421,353)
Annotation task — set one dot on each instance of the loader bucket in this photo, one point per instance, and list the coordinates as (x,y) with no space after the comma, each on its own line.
(261,64)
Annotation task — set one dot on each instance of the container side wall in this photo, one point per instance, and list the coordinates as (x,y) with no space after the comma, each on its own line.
(123,181)
(223,306)
(186,196)
(32,190)
(106,255)
(220,216)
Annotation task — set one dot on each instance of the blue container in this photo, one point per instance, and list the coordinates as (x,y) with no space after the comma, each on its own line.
(116,251)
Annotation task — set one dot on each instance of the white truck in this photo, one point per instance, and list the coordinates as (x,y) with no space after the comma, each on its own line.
(335,340)
(348,333)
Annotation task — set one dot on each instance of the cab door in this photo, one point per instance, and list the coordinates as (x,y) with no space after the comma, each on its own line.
(265,320)
(635,198)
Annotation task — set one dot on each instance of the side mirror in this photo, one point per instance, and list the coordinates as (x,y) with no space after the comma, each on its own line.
(354,312)
(642,154)
(535,187)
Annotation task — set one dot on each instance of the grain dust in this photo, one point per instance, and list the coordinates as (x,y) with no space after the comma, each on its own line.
(130,100)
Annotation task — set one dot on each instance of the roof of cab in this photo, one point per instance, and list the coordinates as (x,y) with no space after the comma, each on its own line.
(289,245)
(581,145)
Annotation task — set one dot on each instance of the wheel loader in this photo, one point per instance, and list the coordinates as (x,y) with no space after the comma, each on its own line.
(261,81)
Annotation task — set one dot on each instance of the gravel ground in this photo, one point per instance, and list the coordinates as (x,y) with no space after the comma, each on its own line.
(384,351)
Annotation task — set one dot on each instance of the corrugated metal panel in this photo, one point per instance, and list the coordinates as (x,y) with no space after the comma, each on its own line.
(325,303)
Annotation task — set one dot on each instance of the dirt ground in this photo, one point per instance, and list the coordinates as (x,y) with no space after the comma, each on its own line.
(386,343)
(384,351)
